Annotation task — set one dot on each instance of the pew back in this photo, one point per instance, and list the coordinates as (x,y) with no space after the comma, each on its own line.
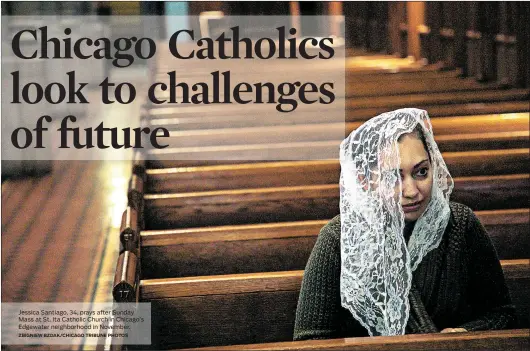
(261,174)
(197,119)
(253,308)
(282,246)
(310,202)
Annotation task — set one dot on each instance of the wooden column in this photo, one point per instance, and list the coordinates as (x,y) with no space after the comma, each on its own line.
(335,9)
(416,18)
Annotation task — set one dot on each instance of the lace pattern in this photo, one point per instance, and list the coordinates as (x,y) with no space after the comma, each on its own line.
(376,262)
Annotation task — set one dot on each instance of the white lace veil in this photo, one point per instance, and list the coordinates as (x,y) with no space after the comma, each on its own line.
(377,265)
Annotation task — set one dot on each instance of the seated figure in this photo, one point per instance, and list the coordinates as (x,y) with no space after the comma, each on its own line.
(400,258)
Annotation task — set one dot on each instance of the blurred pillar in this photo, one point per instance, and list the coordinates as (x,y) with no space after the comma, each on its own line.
(335,9)
(416,18)
(294,10)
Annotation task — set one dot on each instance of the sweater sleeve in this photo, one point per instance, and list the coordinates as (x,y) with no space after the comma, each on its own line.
(319,304)
(491,303)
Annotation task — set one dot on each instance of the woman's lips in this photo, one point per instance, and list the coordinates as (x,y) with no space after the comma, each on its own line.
(412,207)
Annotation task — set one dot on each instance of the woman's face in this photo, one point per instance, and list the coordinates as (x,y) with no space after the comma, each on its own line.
(416,176)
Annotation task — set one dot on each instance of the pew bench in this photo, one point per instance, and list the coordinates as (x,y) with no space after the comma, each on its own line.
(219,120)
(359,103)
(294,173)
(254,308)
(308,202)
(310,150)
(282,246)
(450,141)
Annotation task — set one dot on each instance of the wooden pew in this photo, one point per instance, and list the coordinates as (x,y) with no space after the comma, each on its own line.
(266,174)
(481,126)
(282,246)
(253,308)
(452,134)
(332,132)
(313,150)
(248,119)
(514,339)
(388,102)
(280,204)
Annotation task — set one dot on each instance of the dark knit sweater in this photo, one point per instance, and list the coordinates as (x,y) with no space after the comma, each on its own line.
(460,284)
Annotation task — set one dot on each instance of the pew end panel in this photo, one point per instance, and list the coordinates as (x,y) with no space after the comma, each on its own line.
(127,278)
(129,231)
(139,163)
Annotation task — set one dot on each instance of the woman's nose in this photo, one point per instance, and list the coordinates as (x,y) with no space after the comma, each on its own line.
(410,189)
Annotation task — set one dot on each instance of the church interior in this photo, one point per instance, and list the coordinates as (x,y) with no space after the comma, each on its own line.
(216,230)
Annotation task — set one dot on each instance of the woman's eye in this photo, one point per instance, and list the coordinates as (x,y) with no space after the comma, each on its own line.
(422,172)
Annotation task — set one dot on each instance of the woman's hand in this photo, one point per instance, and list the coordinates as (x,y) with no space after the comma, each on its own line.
(454,330)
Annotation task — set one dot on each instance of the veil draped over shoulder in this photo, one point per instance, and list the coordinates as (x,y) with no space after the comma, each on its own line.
(376,262)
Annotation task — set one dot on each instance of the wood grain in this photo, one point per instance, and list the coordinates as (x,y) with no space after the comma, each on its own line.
(310,202)
(253,308)
(201,120)
(441,126)
(267,174)
(282,246)
(333,132)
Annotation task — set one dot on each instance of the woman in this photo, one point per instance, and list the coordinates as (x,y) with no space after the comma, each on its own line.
(401,258)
